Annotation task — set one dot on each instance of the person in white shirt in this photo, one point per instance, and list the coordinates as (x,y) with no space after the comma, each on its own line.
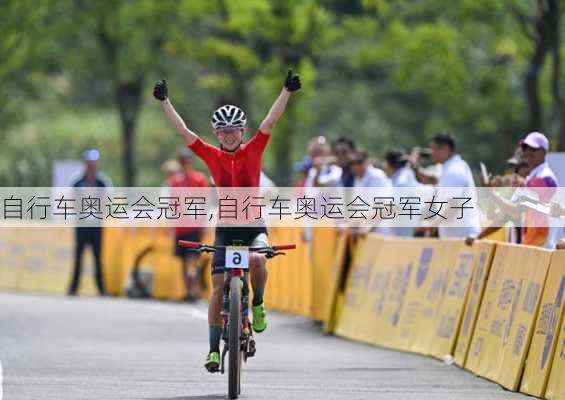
(456,180)
(324,172)
(368,176)
(401,176)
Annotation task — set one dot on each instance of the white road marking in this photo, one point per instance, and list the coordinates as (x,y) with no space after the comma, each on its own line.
(1,389)
(189,310)
(195,313)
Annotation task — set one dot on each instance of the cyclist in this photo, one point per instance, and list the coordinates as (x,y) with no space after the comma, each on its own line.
(233,164)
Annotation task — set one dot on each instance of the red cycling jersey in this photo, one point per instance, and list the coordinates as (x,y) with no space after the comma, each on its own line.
(241,168)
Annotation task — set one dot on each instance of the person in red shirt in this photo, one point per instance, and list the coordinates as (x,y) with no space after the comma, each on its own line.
(187,177)
(233,164)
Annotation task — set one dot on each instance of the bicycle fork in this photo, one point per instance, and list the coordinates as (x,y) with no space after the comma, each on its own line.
(247,342)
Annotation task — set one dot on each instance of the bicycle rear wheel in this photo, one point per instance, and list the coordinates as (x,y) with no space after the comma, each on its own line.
(234,347)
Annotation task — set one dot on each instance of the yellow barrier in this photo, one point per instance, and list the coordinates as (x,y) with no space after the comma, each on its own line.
(355,311)
(491,306)
(11,253)
(482,258)
(323,245)
(556,385)
(113,258)
(449,312)
(544,341)
(59,263)
(505,324)
(334,295)
(289,288)
(430,293)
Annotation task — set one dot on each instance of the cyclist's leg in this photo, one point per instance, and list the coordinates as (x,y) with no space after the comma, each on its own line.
(215,321)
(259,274)
(258,269)
(215,309)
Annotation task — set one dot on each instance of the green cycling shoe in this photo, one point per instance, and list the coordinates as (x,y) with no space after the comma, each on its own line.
(259,318)
(213,362)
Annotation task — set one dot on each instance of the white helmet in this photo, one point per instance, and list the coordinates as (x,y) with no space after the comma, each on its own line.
(229,116)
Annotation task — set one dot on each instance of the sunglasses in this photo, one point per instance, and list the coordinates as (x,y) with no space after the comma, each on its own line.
(356,162)
(526,148)
(227,131)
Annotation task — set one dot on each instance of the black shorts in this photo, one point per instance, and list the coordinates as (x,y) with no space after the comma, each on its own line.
(195,236)
(225,236)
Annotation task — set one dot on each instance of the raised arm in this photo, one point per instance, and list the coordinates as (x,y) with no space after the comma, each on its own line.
(161,93)
(291,84)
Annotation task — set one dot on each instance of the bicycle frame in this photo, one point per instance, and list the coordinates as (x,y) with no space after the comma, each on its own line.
(235,308)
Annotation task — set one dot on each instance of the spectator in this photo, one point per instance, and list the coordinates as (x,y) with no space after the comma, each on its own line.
(269,189)
(188,177)
(401,176)
(516,172)
(428,175)
(302,167)
(342,148)
(536,230)
(324,172)
(558,211)
(498,217)
(91,235)
(368,176)
(170,168)
(455,174)
(397,169)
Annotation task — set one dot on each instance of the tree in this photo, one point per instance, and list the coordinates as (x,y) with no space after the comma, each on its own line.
(122,45)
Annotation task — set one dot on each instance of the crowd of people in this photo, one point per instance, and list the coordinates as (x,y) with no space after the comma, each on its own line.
(440,166)
(342,163)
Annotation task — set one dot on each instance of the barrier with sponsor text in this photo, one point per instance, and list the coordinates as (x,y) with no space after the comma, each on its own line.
(497,308)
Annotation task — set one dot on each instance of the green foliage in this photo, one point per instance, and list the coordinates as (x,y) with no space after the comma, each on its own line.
(388,73)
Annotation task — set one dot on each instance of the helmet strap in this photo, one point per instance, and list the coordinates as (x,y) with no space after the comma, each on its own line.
(230,151)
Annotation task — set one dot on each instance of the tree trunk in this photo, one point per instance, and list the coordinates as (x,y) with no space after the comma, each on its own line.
(128,100)
(559,106)
(535,115)
(542,44)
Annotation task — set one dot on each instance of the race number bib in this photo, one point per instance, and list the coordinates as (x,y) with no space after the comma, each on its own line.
(237,257)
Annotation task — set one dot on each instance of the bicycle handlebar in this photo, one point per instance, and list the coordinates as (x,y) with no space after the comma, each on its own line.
(284,247)
(189,245)
(265,249)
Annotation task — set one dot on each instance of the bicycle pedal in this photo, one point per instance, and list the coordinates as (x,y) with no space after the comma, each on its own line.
(251,349)
(212,368)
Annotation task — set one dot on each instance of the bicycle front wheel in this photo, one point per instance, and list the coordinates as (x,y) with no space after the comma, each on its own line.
(234,333)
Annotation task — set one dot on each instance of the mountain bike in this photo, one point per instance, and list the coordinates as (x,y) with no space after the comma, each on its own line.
(237,334)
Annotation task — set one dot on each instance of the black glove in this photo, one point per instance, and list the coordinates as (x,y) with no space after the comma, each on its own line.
(292,82)
(160,91)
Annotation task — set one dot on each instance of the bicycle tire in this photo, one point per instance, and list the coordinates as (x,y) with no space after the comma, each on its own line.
(234,347)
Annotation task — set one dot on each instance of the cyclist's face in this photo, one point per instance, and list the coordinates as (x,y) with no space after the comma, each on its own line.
(230,138)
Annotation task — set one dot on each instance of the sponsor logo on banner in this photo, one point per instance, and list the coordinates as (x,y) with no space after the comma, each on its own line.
(512,315)
(549,322)
(424,267)
(401,294)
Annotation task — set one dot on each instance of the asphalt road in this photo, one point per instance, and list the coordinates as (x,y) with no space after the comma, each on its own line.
(88,348)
